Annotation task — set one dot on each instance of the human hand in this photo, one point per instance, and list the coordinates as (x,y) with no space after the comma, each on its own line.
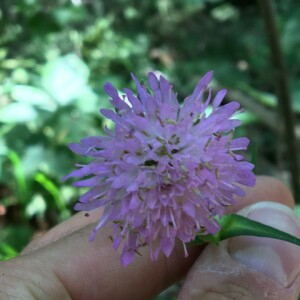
(62,264)
(249,267)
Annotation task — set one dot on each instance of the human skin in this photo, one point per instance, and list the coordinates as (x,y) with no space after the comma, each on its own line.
(62,264)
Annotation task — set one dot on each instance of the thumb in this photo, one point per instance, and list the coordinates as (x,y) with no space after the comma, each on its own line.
(250,267)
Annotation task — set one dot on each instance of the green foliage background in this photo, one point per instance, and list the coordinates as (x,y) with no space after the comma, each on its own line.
(55,57)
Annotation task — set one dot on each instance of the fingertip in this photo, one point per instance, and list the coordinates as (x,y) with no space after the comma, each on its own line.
(274,189)
(266,189)
(250,267)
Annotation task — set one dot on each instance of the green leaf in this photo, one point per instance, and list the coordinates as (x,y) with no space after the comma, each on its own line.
(236,225)
(37,206)
(88,101)
(51,161)
(245,117)
(33,96)
(19,175)
(262,97)
(295,93)
(224,12)
(65,78)
(17,113)
(52,189)
(7,251)
(67,16)
(33,157)
(17,236)
(297,210)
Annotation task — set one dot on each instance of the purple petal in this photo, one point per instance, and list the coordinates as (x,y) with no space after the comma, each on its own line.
(91,194)
(135,102)
(219,98)
(103,222)
(143,94)
(153,82)
(90,206)
(111,90)
(239,144)
(167,245)
(84,171)
(203,83)
(94,140)
(87,182)
(80,148)
(108,113)
(189,209)
(115,99)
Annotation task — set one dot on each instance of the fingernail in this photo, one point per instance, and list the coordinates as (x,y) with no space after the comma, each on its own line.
(278,260)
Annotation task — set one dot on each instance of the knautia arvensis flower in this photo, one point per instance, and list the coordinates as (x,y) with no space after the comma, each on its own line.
(166,170)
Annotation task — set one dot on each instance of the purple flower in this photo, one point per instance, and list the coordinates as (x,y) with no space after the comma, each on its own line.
(166,170)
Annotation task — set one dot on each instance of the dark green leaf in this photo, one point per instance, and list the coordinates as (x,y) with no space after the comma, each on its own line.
(236,225)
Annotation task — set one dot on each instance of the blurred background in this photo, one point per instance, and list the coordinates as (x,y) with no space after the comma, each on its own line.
(55,57)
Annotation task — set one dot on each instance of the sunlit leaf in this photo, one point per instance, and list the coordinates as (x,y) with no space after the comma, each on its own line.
(52,189)
(19,176)
(33,96)
(7,251)
(37,206)
(88,101)
(50,161)
(246,117)
(65,78)
(17,113)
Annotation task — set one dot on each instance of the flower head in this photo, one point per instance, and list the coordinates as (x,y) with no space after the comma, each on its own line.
(166,170)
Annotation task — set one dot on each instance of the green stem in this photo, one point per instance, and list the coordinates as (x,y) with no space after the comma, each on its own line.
(19,175)
(283,94)
(52,190)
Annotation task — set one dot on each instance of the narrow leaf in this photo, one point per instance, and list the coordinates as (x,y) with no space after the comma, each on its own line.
(236,225)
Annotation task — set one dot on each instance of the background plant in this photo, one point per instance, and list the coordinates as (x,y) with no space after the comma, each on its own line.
(55,57)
